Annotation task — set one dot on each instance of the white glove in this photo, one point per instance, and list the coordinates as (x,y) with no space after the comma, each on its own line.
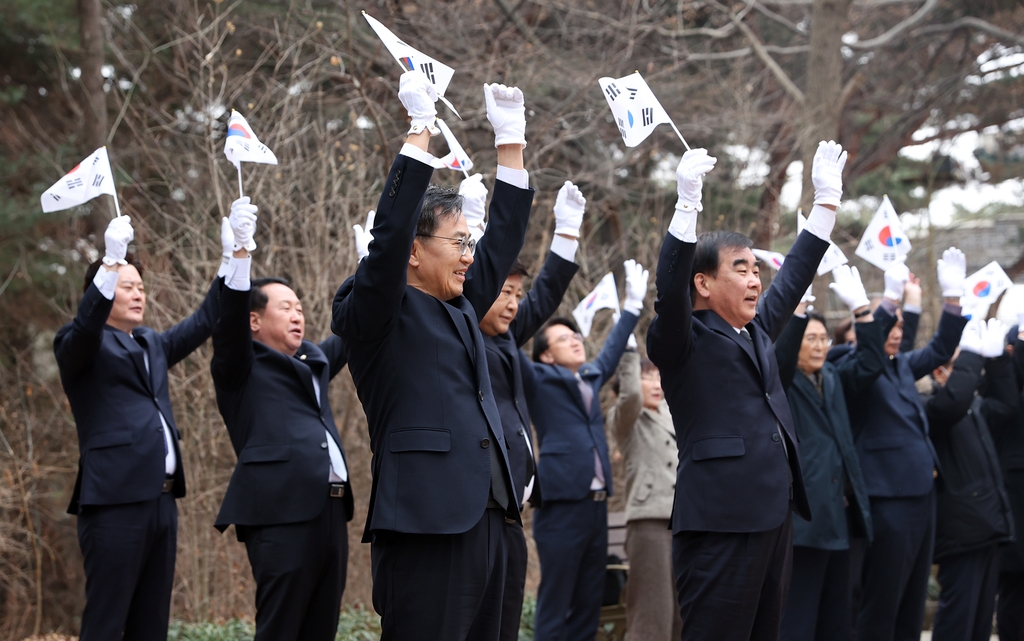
(636,286)
(1020,322)
(689,178)
(243,224)
(995,335)
(827,173)
(506,110)
(474,197)
(364,236)
(227,246)
(809,296)
(848,287)
(418,97)
(569,206)
(973,338)
(952,272)
(896,278)
(119,233)
(631,341)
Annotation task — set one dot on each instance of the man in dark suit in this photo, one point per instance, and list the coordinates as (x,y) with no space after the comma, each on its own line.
(571,527)
(114,372)
(508,325)
(739,471)
(890,430)
(289,497)
(442,498)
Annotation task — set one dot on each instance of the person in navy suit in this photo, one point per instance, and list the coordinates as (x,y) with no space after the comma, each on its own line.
(739,468)
(571,526)
(289,497)
(442,501)
(899,463)
(114,372)
(510,322)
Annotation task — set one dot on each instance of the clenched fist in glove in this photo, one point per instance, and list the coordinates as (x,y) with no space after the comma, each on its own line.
(119,233)
(243,224)
(474,204)
(418,97)
(636,286)
(952,268)
(506,111)
(569,206)
(848,287)
(690,178)
(827,173)
(363,236)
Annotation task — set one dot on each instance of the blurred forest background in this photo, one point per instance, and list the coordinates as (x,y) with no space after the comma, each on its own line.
(757,82)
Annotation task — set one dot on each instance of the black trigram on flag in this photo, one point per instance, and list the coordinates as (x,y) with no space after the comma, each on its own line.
(622,128)
(74,182)
(55,197)
(612,91)
(889,256)
(632,93)
(648,115)
(97,180)
(868,244)
(428,70)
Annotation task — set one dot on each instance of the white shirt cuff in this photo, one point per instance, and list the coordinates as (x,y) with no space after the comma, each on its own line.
(414,152)
(237,274)
(564,247)
(912,309)
(821,221)
(516,177)
(684,225)
(106,282)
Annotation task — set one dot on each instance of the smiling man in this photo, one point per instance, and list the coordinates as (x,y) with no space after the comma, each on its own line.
(442,502)
(739,473)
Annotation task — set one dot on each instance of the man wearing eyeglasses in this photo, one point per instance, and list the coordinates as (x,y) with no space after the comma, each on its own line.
(571,527)
(442,499)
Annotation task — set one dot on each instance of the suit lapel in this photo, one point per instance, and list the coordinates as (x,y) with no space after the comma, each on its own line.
(462,326)
(305,373)
(716,323)
(135,351)
(759,349)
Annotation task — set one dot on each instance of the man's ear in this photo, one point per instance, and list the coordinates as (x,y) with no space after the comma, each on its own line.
(547,358)
(416,256)
(702,283)
(254,322)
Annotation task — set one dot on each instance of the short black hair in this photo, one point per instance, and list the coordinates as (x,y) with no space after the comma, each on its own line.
(94,267)
(839,336)
(540,339)
(707,254)
(439,202)
(519,269)
(815,315)
(258,299)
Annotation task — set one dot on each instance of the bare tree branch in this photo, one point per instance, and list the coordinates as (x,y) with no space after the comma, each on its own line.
(894,34)
(759,49)
(976,23)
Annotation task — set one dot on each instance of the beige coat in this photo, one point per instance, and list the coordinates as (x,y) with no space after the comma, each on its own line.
(647,441)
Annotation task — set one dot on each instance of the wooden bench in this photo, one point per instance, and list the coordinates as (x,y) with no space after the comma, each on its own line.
(612,624)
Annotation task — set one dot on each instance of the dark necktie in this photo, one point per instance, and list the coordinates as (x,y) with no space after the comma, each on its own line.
(586,392)
(745,334)
(142,343)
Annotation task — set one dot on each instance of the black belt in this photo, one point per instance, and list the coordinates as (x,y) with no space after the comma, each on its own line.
(168,484)
(338,490)
(598,495)
(493,505)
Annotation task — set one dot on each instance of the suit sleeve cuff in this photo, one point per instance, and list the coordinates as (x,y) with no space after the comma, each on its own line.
(414,152)
(106,282)
(684,225)
(516,177)
(950,308)
(237,274)
(564,247)
(911,309)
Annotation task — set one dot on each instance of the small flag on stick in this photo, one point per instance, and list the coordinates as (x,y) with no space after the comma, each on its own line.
(88,179)
(242,145)
(884,242)
(604,296)
(986,285)
(457,158)
(635,108)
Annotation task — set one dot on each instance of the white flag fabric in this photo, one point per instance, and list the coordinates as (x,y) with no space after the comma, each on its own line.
(884,242)
(604,296)
(634,106)
(88,179)
(457,158)
(772,259)
(986,285)
(242,145)
(834,257)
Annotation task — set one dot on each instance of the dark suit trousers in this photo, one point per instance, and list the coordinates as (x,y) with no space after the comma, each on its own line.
(818,607)
(129,568)
(1010,617)
(572,543)
(732,586)
(300,571)
(968,599)
(896,568)
(443,587)
(515,585)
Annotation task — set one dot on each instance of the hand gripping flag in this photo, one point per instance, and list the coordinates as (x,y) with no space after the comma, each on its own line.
(457,157)
(884,241)
(438,73)
(242,145)
(88,179)
(834,257)
(986,285)
(634,106)
(604,296)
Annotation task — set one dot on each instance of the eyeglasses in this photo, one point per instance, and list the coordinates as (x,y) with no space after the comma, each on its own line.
(465,243)
(565,337)
(818,340)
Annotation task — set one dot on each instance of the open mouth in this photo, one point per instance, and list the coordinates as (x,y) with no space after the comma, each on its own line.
(460,275)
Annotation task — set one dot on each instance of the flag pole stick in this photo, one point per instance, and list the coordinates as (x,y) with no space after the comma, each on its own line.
(676,129)
(465,173)
(238,166)
(117,207)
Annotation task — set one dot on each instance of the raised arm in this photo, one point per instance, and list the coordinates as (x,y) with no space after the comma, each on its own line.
(636,290)
(950,402)
(864,365)
(630,401)
(333,348)
(787,347)
(1002,402)
(232,333)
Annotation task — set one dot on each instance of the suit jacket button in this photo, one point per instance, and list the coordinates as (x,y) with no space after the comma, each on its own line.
(398,173)
(485,443)
(767,396)
(775,437)
(323,445)
(520,431)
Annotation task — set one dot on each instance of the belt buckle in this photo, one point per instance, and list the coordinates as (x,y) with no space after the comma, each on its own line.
(168,485)
(337,490)
(600,495)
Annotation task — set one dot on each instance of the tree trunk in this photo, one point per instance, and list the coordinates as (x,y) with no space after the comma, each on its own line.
(94,127)
(824,85)
(779,158)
